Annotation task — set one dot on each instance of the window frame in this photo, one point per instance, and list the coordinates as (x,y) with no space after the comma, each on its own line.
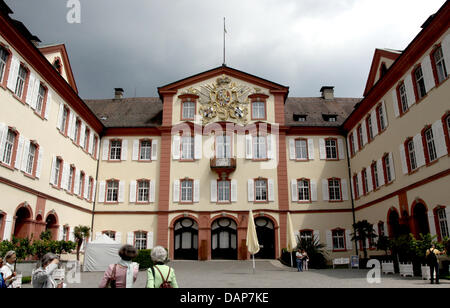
(408,142)
(374,170)
(257,145)
(143,239)
(58,171)
(186,180)
(356,186)
(402,98)
(387,165)
(138,188)
(418,83)
(13,154)
(429,146)
(266,187)
(71,181)
(108,233)
(226,135)
(306,149)
(65,120)
(111,148)
(352,144)
(5,74)
(24,90)
(140,150)
(340,190)
(32,174)
(380,118)
(309,190)
(81,183)
(444,220)
(112,193)
(90,189)
(365,181)
(87,136)
(183,103)
(228,181)
(369,128)
(343,237)
(446,66)
(44,103)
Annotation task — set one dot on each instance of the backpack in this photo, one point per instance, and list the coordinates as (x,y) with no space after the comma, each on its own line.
(431,258)
(165,284)
(2,282)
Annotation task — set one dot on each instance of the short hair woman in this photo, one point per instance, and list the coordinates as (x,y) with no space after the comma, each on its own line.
(42,277)
(124,272)
(160,273)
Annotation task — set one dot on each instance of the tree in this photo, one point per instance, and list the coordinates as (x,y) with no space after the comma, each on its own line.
(363,231)
(384,243)
(316,251)
(80,233)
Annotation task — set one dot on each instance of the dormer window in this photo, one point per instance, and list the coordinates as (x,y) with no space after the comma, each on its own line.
(299,118)
(329,117)
(57,65)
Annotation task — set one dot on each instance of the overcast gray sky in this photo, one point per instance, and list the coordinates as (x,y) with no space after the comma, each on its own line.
(140,45)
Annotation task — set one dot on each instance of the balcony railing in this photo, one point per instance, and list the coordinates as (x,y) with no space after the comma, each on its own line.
(223,164)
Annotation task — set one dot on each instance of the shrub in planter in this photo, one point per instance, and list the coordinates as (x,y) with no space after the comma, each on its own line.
(144,259)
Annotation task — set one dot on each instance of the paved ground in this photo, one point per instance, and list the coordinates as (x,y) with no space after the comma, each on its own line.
(269,274)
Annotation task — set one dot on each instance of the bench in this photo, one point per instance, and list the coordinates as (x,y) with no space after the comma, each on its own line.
(425,272)
(406,269)
(387,267)
(341,261)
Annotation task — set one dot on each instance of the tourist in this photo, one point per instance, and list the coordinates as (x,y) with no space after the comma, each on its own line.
(299,257)
(124,273)
(160,275)
(305,260)
(42,277)
(433,262)
(2,281)
(9,275)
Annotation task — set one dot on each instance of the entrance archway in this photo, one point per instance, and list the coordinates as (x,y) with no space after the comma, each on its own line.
(394,224)
(23,223)
(266,238)
(186,239)
(224,239)
(51,223)
(420,220)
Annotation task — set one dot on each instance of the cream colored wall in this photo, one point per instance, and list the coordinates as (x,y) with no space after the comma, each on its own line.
(388,62)
(51,58)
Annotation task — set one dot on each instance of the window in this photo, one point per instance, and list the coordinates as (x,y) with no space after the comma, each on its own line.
(71,179)
(223,146)
(110,234)
(116,149)
(87,134)
(30,159)
(329,117)
(419,83)
(7,156)
(187,148)
(334,189)
(338,239)
(187,191)
(380,118)
(356,186)
(352,144)
(301,149)
(303,190)
(360,137)
(146,150)
(188,110)
(259,147)
(331,148)
(40,99)
(387,168)
(112,193)
(299,118)
(306,235)
(369,128)
(21,78)
(260,190)
(3,61)
(140,240)
(376,183)
(442,219)
(90,186)
(411,155)
(258,109)
(94,151)
(403,98)
(65,119)
(81,184)
(66,230)
(431,148)
(223,191)
(365,181)
(143,191)
(440,65)
(58,170)
(77,131)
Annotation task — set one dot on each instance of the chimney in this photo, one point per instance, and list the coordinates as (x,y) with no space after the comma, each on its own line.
(118,93)
(327,92)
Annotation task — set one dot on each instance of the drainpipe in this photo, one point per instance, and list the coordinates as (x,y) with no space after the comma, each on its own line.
(93,193)
(351,191)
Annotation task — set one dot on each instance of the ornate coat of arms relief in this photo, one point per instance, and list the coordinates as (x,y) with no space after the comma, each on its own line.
(224,100)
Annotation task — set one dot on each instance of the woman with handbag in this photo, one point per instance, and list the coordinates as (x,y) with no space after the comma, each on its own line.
(124,273)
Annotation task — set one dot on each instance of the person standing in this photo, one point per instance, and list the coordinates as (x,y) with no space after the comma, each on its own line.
(305,260)
(2,281)
(9,275)
(433,261)
(124,273)
(42,277)
(160,275)
(299,258)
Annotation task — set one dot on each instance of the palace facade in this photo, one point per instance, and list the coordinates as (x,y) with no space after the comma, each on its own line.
(183,169)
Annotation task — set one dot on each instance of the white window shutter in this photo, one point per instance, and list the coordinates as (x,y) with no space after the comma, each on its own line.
(101,191)
(77,187)
(82,133)
(13,72)
(294,190)
(352,183)
(29,98)
(316,234)
(432,223)
(98,235)
(291,148)
(234,188)
(124,153)
(198,146)
(348,239)
(322,152)
(270,145)
(427,71)
(369,179)
(71,234)
(39,162)
(403,158)
(154,149)
(176,191)
(325,193)
(364,132)
(24,153)
(360,186)
(8,228)
(94,190)
(105,149)
(439,138)
(60,233)
(91,142)
(152,191)
(271,190)
(53,171)
(313,184)
(98,149)
(248,146)
(133,187)
(48,105)
(176,147)
(409,90)
(355,136)
(86,186)
(149,240)
(214,191)
(310,149)
(72,125)
(60,116)
(446,52)
(329,239)
(341,149)
(196,191)
(3,135)
(391,165)
(118,237)
(419,151)
(373,119)
(251,190)
(135,155)
(383,110)
(19,152)
(380,171)
(344,187)
(395,103)
(130,238)
(121,191)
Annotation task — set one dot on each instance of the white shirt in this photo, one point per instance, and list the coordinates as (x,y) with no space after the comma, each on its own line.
(7,270)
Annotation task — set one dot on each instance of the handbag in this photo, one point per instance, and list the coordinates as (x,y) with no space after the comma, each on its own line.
(112,280)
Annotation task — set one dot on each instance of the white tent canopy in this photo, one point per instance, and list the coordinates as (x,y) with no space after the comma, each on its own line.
(101,253)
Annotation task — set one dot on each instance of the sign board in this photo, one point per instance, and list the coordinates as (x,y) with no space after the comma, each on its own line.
(17,283)
(354,261)
(59,274)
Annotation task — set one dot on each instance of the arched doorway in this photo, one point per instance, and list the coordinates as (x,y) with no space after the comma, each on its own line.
(266,238)
(224,239)
(51,223)
(420,220)
(394,224)
(24,221)
(186,239)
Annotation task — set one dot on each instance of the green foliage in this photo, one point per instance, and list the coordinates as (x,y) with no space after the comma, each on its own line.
(315,250)
(384,243)
(46,235)
(144,259)
(80,233)
(363,231)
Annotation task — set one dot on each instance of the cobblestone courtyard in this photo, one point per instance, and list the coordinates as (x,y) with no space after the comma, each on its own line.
(269,274)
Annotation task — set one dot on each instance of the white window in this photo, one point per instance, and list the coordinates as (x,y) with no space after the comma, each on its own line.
(144,191)
(86,139)
(112,194)
(30,160)
(303,190)
(403,97)
(65,233)
(40,99)
(259,110)
(187,190)
(380,112)
(387,163)
(331,148)
(442,218)
(146,150)
(306,235)
(356,185)
(21,78)
(187,147)
(57,171)
(369,125)
(188,110)
(420,83)
(81,184)
(430,145)
(90,183)
(260,190)
(223,191)
(65,119)
(412,155)
(375,175)
(3,61)
(360,136)
(70,179)
(223,146)
(352,144)
(116,149)
(338,239)
(301,149)
(110,234)
(440,65)
(9,146)
(334,189)
(140,240)
(77,131)
(259,147)
(365,180)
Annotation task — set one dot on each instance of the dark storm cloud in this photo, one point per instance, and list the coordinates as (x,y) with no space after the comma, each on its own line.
(140,45)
